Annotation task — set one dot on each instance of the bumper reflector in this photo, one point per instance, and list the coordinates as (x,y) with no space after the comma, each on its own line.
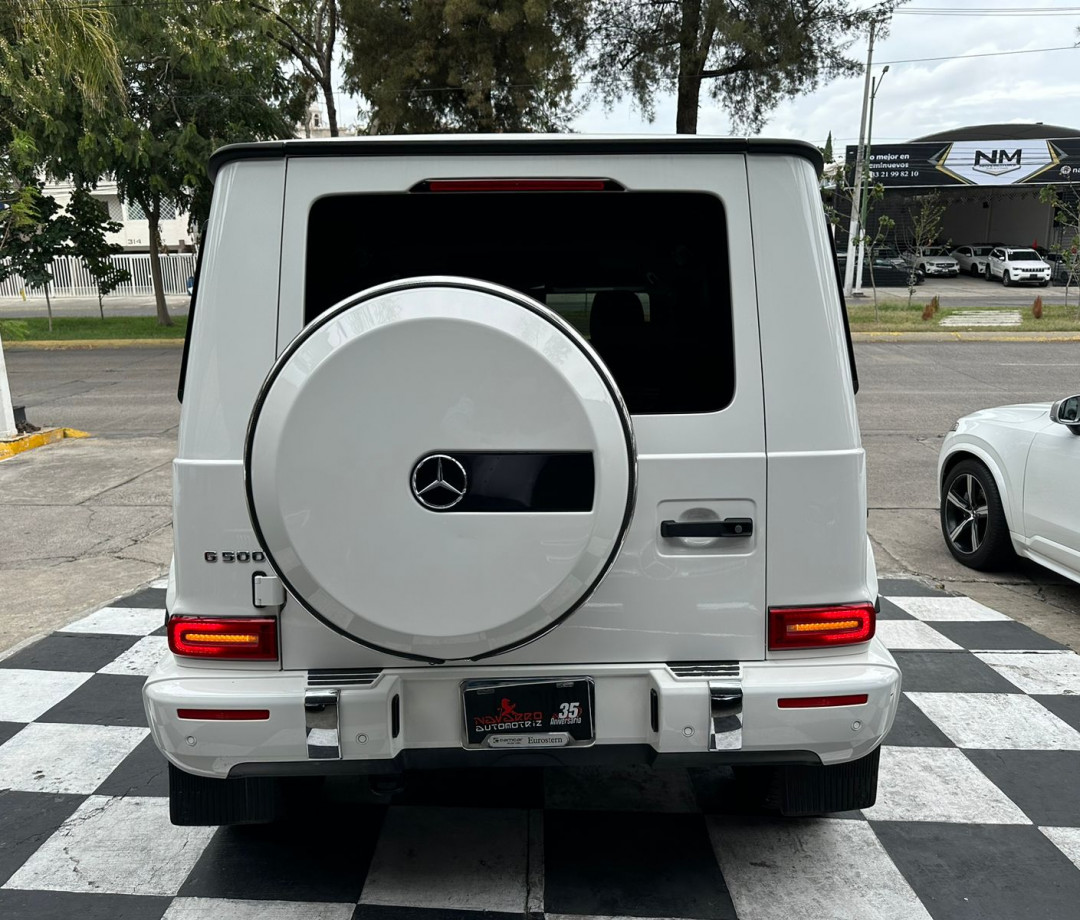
(238,638)
(225,715)
(820,627)
(814,702)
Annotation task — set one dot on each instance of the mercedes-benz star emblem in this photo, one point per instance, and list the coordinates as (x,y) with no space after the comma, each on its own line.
(439,482)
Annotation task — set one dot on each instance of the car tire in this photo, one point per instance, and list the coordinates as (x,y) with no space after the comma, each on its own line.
(975,271)
(1044,283)
(1005,280)
(989,274)
(970,494)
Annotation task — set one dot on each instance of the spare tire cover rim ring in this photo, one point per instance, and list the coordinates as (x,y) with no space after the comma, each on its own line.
(520,300)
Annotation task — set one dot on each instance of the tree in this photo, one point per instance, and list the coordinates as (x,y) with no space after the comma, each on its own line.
(464,65)
(32,248)
(195,77)
(90,222)
(1066,207)
(307,34)
(925,229)
(751,53)
(827,150)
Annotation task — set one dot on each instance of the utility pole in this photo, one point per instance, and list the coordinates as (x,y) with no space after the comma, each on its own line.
(854,228)
(875,86)
(7,416)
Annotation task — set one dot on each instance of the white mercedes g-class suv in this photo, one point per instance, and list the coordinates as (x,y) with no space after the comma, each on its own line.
(515,451)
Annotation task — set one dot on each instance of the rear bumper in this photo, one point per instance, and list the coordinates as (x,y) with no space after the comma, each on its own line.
(686,725)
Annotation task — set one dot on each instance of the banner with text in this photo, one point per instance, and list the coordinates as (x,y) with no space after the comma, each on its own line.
(996,163)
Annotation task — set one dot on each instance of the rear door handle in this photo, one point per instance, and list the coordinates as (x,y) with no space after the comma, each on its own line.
(729,527)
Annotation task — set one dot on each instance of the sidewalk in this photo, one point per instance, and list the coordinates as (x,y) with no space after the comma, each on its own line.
(17,308)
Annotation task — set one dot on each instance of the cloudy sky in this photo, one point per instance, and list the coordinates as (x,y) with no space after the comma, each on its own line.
(921,97)
(917,97)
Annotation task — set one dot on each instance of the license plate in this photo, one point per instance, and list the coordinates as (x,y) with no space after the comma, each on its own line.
(544,713)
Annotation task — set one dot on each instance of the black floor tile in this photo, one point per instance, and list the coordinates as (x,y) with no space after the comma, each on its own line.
(27,820)
(273,862)
(505,787)
(949,672)
(62,905)
(983,872)
(912,728)
(622,864)
(1045,784)
(1066,708)
(889,611)
(70,652)
(907,587)
(996,634)
(148,597)
(105,699)
(143,772)
(9,730)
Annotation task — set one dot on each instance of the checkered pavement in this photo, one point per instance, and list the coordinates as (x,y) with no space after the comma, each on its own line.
(978,812)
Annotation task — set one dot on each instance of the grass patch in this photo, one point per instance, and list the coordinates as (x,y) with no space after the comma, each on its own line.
(68,328)
(897,316)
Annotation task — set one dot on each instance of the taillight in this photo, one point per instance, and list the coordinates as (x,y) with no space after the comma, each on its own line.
(225,715)
(517,185)
(820,627)
(241,638)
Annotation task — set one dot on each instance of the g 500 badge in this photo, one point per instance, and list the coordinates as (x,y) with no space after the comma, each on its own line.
(238,556)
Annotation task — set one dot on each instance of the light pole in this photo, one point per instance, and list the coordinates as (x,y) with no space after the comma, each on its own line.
(856,193)
(875,84)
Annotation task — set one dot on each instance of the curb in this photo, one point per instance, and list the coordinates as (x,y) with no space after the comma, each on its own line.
(73,344)
(929,336)
(38,439)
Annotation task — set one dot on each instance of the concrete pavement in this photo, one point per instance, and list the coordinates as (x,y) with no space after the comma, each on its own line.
(16,307)
(84,521)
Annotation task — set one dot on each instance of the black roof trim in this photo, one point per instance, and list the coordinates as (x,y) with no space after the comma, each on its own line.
(556,145)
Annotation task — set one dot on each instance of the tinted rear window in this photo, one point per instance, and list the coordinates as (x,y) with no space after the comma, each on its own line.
(643,275)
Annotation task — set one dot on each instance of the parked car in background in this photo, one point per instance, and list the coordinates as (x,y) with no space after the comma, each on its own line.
(1060,272)
(1004,477)
(932,260)
(972,259)
(889,270)
(1017,266)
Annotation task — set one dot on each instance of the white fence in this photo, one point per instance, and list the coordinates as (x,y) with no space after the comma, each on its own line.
(71,279)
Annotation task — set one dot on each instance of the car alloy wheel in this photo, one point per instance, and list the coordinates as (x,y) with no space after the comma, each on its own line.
(1005,280)
(966,514)
(972,517)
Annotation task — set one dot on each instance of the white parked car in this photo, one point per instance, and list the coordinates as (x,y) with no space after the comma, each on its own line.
(487,454)
(932,261)
(1017,266)
(1005,479)
(971,259)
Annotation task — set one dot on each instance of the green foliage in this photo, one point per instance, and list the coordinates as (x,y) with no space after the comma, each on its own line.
(32,248)
(925,227)
(827,151)
(74,328)
(90,223)
(1066,207)
(464,65)
(751,53)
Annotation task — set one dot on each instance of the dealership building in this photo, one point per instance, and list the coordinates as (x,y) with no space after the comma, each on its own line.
(988,177)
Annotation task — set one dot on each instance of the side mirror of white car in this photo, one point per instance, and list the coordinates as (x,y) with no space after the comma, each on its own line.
(1067,412)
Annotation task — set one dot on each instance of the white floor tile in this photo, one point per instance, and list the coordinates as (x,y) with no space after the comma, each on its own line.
(997,721)
(116,846)
(228,909)
(947,609)
(56,757)
(141,658)
(450,858)
(828,870)
(120,621)
(1033,672)
(26,694)
(938,784)
(1066,839)
(911,634)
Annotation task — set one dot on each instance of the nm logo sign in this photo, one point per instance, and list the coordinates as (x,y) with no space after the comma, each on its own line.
(989,162)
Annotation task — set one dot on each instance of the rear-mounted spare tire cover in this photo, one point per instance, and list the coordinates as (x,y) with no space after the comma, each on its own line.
(441,468)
